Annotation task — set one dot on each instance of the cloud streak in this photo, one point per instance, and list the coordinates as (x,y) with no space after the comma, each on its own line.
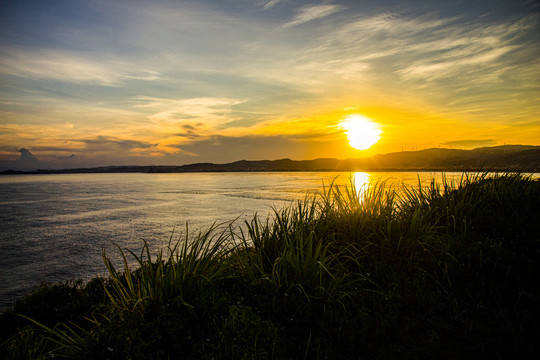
(68,66)
(313,12)
(103,143)
(270,4)
(175,112)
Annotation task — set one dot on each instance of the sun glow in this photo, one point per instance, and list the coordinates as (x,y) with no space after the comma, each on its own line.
(361,131)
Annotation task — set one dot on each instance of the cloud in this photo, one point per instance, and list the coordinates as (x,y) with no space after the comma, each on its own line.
(468,144)
(447,52)
(270,4)
(435,69)
(424,45)
(110,144)
(176,112)
(90,152)
(55,149)
(26,161)
(344,68)
(452,64)
(191,131)
(313,12)
(72,67)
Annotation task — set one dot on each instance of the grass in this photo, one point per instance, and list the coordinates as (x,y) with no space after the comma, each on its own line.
(445,271)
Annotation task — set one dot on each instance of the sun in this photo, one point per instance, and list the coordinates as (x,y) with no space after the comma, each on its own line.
(361,131)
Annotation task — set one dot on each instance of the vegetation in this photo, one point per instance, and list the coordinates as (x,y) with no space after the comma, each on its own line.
(448,271)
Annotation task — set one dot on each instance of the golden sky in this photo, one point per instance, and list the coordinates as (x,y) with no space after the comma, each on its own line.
(91,83)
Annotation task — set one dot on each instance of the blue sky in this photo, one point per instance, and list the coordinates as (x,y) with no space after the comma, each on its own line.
(88,83)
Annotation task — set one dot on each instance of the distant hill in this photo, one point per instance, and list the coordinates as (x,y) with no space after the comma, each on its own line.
(498,158)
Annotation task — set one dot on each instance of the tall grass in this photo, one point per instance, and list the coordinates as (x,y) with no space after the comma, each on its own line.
(446,270)
(291,251)
(184,264)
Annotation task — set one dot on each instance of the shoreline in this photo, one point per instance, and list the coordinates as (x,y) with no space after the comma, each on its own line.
(507,158)
(166,170)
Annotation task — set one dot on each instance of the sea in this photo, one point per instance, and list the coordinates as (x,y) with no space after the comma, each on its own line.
(54,228)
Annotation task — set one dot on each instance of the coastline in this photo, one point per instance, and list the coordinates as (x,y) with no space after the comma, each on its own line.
(509,158)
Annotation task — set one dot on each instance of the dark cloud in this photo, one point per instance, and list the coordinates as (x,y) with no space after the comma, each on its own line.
(99,151)
(468,144)
(52,149)
(26,161)
(191,131)
(108,143)
(188,127)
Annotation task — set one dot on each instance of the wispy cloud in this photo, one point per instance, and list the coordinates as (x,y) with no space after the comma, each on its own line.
(346,68)
(413,43)
(313,12)
(71,67)
(270,4)
(107,143)
(454,64)
(173,112)
(434,69)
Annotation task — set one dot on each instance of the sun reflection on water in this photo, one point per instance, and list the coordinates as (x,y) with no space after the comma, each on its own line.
(361,182)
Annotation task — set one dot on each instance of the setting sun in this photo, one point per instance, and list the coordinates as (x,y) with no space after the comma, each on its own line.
(361,131)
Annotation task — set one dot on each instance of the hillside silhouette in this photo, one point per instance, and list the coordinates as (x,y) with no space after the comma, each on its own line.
(524,158)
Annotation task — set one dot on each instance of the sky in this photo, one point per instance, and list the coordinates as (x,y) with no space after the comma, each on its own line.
(114,82)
